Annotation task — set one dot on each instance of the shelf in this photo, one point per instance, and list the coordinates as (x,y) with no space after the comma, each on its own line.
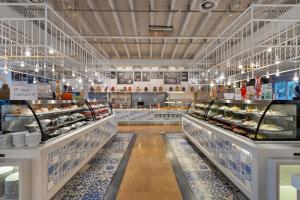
(48,113)
(64,124)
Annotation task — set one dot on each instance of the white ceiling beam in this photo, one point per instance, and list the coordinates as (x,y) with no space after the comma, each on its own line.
(118,23)
(184,25)
(197,32)
(149,62)
(149,37)
(169,23)
(102,26)
(151,23)
(133,18)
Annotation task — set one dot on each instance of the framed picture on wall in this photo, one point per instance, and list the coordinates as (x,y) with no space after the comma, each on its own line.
(184,76)
(146,76)
(113,75)
(107,74)
(157,75)
(125,78)
(172,77)
(137,76)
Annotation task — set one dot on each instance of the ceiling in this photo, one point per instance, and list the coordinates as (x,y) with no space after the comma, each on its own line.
(119,29)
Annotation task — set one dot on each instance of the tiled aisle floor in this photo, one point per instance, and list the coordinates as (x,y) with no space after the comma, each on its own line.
(149,174)
(93,182)
(206,182)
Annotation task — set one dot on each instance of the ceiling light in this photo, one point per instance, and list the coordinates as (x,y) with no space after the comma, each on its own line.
(45,66)
(212,84)
(5,68)
(27,52)
(277,72)
(154,28)
(277,60)
(22,64)
(68,83)
(85,70)
(248,79)
(51,51)
(218,81)
(37,67)
(34,80)
(216,72)
(267,74)
(203,74)
(208,5)
(234,84)
(296,77)
(269,50)
(222,76)
(73,74)
(53,68)
(240,66)
(243,71)
(229,82)
(252,65)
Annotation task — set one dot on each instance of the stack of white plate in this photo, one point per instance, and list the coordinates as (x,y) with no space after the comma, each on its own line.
(33,139)
(12,186)
(4,172)
(19,139)
(5,140)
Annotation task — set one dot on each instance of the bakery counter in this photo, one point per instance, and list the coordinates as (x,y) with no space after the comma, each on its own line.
(149,116)
(242,160)
(37,173)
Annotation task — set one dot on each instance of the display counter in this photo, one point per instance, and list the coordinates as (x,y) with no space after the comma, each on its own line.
(149,116)
(44,143)
(44,169)
(243,160)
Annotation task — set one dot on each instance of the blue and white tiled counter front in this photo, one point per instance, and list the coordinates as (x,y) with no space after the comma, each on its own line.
(243,161)
(49,166)
(149,116)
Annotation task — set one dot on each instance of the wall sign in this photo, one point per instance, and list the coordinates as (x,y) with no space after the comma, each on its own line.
(24,92)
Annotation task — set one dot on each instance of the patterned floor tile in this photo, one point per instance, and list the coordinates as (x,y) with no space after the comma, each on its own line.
(205,180)
(92,183)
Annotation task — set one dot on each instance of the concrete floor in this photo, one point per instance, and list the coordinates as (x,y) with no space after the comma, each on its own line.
(149,174)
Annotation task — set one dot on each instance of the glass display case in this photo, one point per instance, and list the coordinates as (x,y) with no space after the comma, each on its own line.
(101,108)
(256,119)
(199,109)
(30,122)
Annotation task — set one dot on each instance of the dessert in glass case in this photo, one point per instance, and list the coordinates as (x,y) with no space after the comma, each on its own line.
(255,119)
(27,123)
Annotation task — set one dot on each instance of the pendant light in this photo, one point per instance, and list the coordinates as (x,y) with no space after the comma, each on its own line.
(277,72)
(248,78)
(34,80)
(268,74)
(22,64)
(37,67)
(73,74)
(269,50)
(296,77)
(240,66)
(212,84)
(5,68)
(27,52)
(51,51)
(229,82)
(53,68)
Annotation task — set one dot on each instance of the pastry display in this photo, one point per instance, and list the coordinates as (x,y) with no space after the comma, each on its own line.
(234,108)
(224,108)
(275,113)
(270,127)
(250,123)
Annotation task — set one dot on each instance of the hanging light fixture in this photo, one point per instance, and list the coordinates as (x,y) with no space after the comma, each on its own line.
(73,74)
(240,66)
(229,82)
(45,66)
(22,64)
(277,72)
(296,77)
(277,60)
(63,78)
(268,74)
(269,50)
(212,84)
(248,78)
(68,83)
(53,68)
(34,80)
(243,71)
(37,67)
(27,52)
(51,51)
(86,70)
(5,68)
(222,76)
(234,84)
